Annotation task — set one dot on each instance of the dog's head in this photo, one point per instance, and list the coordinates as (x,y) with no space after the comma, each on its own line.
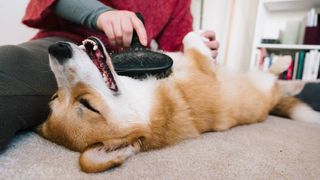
(83,116)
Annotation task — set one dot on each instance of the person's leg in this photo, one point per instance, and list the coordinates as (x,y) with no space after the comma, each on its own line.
(310,94)
(26,84)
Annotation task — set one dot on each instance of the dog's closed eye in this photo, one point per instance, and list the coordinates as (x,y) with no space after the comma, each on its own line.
(86,104)
(55,96)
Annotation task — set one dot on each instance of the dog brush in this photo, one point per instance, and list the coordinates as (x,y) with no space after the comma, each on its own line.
(138,61)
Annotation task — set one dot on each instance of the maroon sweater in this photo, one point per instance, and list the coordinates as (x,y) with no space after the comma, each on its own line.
(166,21)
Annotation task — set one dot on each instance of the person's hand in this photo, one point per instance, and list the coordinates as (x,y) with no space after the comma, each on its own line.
(119,25)
(213,44)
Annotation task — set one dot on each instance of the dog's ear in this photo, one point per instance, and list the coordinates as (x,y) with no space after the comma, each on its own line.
(41,129)
(100,158)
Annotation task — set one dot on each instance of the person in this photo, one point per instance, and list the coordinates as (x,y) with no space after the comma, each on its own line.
(26,82)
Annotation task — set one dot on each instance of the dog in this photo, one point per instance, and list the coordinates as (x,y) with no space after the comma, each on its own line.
(109,118)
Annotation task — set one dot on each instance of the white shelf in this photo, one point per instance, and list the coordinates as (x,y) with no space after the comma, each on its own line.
(278,12)
(289,46)
(289,5)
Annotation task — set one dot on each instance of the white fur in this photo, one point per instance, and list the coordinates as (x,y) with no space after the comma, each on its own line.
(134,97)
(280,64)
(83,67)
(100,155)
(303,112)
(261,80)
(195,40)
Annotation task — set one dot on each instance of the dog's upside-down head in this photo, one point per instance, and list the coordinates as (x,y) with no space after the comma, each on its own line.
(84,115)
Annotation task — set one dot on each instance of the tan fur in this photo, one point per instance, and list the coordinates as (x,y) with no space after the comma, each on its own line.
(285,106)
(87,166)
(185,107)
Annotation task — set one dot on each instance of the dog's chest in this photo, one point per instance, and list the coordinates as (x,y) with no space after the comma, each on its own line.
(136,99)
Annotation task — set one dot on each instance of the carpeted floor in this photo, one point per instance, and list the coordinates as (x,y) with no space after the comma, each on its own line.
(276,149)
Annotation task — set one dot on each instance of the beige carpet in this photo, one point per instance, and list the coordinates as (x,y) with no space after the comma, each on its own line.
(275,149)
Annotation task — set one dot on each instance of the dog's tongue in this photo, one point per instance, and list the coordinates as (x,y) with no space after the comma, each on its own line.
(97,53)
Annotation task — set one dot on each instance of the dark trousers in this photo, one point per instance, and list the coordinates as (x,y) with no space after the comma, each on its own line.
(26,85)
(310,94)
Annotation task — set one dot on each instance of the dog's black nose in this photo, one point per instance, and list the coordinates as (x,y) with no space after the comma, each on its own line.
(61,51)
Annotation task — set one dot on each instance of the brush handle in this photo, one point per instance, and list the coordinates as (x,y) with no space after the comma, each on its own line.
(135,38)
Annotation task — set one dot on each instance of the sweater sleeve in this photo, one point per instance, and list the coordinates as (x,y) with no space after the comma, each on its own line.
(41,13)
(83,12)
(180,23)
(38,12)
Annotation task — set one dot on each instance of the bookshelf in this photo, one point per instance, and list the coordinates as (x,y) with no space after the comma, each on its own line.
(289,46)
(290,5)
(274,14)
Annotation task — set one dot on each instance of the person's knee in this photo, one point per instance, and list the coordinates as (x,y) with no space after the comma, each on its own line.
(12,53)
(12,56)
(25,72)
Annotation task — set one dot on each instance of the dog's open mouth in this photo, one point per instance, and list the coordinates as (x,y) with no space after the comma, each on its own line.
(97,53)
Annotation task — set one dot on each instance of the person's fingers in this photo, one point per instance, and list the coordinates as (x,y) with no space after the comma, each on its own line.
(209,35)
(119,26)
(109,32)
(127,31)
(140,29)
(116,24)
(214,45)
(214,54)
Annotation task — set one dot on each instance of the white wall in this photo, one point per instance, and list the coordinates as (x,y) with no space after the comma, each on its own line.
(241,34)
(234,23)
(12,31)
(215,17)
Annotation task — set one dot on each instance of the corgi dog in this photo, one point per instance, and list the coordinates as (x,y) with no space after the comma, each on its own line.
(108,118)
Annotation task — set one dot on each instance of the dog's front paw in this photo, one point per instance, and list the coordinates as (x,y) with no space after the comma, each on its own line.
(196,41)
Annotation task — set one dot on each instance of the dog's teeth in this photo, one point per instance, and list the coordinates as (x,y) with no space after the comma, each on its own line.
(82,47)
(104,77)
(92,42)
(95,47)
(89,41)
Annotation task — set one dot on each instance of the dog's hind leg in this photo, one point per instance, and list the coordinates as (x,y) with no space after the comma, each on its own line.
(199,62)
(198,53)
(279,66)
(194,40)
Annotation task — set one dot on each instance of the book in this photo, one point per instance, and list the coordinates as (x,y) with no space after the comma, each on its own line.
(311,62)
(314,65)
(262,56)
(319,73)
(255,64)
(317,67)
(306,68)
(284,75)
(266,63)
(295,66)
(290,69)
(272,60)
(300,64)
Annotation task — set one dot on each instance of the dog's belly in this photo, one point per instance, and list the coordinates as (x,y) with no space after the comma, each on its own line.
(221,104)
(247,103)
